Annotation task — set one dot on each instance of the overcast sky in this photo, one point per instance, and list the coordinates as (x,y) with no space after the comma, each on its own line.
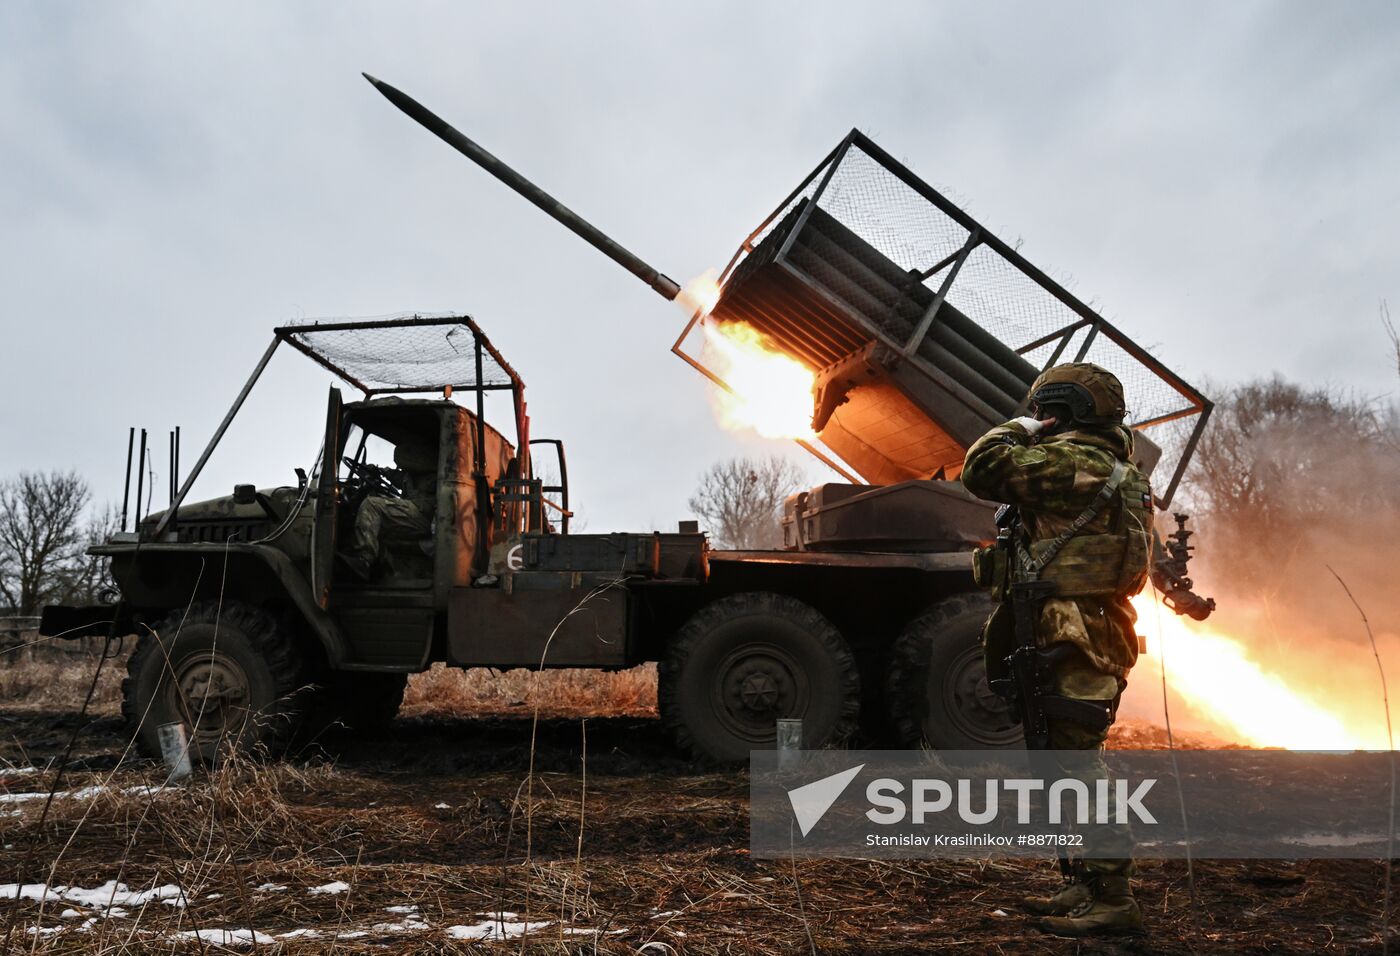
(178,179)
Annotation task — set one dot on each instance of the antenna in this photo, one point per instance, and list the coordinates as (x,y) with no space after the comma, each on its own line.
(126,485)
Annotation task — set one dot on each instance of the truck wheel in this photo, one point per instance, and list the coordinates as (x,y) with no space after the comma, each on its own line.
(229,674)
(744,661)
(355,701)
(936,684)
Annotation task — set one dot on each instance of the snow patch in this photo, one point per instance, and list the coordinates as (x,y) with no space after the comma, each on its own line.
(407,926)
(270,888)
(227,937)
(329,889)
(82,793)
(111,896)
(501,927)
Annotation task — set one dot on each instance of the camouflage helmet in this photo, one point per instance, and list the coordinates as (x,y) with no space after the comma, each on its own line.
(1092,394)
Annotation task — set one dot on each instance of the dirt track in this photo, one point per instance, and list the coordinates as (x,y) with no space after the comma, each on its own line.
(422,818)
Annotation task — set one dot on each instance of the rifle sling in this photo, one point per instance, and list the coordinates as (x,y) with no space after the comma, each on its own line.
(1031,567)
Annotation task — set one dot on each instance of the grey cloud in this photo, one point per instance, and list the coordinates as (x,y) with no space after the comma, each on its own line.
(178,180)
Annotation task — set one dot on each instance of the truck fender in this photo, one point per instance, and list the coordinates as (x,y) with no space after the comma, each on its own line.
(289,578)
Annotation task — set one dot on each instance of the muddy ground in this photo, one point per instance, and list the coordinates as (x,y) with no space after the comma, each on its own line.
(433,827)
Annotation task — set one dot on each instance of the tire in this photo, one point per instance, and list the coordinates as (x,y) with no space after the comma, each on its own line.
(253,667)
(361,702)
(936,684)
(746,660)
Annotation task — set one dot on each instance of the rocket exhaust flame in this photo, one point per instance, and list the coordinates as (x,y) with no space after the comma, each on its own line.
(767,391)
(1225,687)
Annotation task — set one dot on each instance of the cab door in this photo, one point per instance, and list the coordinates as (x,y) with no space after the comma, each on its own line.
(327,503)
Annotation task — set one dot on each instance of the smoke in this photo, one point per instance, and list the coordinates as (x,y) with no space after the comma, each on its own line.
(1287,483)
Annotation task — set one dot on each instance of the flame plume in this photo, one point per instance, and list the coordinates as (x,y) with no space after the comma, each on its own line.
(1227,688)
(771,392)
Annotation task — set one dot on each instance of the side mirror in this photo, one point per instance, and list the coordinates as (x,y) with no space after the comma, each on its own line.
(245,495)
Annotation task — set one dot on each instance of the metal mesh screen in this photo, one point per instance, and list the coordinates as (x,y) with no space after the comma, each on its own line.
(401,353)
(872,201)
(867,198)
(778,219)
(861,194)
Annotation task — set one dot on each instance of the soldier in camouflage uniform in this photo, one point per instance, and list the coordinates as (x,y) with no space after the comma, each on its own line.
(1052,467)
(405,518)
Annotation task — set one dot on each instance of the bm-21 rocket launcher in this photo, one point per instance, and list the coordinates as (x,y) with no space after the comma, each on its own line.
(923,330)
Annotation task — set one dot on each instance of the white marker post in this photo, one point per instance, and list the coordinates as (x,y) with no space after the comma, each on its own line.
(175,749)
(789,741)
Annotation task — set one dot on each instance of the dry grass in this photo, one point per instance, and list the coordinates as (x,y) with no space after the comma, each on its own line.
(48,678)
(431,815)
(449,692)
(51,679)
(663,860)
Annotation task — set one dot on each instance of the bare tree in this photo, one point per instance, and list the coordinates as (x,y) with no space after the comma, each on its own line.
(41,536)
(1279,460)
(82,577)
(741,499)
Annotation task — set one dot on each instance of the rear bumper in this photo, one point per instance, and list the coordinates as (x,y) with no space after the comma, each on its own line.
(91,620)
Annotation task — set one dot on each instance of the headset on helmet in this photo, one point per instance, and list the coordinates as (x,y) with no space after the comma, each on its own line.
(1091,394)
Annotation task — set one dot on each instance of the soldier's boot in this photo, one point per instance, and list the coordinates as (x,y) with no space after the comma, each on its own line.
(1075,892)
(1111,909)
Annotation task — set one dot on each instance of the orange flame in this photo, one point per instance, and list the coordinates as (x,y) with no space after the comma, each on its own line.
(1226,687)
(771,393)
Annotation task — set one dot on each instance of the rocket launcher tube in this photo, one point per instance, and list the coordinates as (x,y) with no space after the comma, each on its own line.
(663,284)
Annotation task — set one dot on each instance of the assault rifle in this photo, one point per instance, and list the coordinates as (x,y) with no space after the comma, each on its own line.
(1030,666)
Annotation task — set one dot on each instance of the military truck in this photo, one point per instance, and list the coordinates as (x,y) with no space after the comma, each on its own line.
(922,329)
